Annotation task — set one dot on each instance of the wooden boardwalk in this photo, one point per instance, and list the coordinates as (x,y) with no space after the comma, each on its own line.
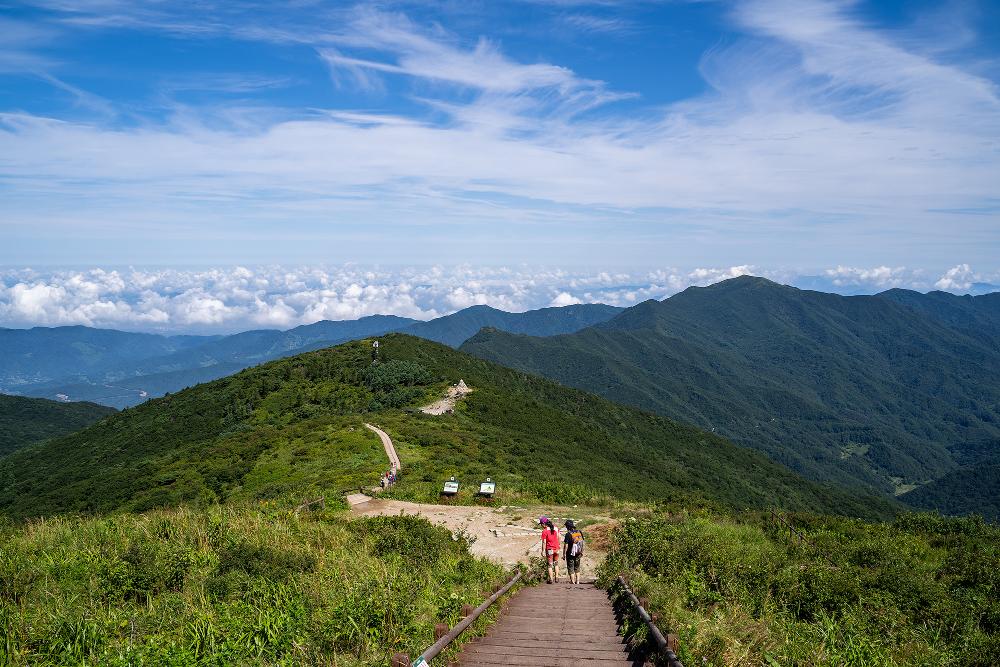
(551,625)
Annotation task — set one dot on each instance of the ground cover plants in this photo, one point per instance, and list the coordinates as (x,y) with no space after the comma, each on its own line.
(295,426)
(237,584)
(742,590)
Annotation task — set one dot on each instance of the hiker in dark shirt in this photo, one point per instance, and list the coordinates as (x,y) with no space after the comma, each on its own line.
(573,542)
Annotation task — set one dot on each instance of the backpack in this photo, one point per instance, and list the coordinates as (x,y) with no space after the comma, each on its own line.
(576,547)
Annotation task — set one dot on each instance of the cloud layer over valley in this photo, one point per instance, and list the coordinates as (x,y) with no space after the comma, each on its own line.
(223,300)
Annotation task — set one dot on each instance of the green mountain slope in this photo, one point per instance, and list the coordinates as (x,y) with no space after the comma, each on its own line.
(972,489)
(855,390)
(132,381)
(458,327)
(25,421)
(253,347)
(975,316)
(82,363)
(294,426)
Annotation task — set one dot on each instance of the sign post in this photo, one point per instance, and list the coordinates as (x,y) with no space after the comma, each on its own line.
(450,487)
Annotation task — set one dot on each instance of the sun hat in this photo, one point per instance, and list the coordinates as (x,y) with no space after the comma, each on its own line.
(569,523)
(543,520)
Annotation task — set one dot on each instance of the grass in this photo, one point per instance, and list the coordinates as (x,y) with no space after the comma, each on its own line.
(295,427)
(737,591)
(241,584)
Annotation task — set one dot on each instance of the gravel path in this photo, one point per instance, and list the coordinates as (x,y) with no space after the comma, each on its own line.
(505,535)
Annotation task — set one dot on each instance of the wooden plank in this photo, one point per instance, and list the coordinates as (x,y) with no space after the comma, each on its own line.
(552,626)
(532,637)
(486,645)
(532,661)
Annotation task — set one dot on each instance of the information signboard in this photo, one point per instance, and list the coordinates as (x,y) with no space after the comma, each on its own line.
(450,487)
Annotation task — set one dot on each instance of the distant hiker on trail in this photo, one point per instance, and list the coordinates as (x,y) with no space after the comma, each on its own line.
(574,551)
(550,547)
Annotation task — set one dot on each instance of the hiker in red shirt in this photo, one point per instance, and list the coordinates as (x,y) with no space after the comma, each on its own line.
(550,548)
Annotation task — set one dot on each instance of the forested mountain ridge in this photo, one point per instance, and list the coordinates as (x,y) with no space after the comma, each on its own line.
(975,316)
(971,489)
(26,421)
(294,426)
(81,362)
(455,329)
(857,390)
(43,354)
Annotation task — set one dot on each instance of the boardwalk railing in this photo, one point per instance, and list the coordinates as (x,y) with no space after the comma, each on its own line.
(666,646)
(445,636)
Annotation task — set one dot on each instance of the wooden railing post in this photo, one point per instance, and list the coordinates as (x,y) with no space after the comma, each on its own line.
(400,660)
(440,630)
(468,617)
(662,644)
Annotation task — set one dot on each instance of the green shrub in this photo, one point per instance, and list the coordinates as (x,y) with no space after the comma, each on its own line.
(230,585)
(919,591)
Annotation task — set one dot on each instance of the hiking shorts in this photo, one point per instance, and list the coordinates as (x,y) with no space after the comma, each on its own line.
(573,563)
(552,555)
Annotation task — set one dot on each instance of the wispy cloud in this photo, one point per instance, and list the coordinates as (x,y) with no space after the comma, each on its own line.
(590,23)
(814,120)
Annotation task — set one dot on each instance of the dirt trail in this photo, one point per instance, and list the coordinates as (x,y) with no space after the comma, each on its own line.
(504,534)
(508,535)
(447,404)
(390,450)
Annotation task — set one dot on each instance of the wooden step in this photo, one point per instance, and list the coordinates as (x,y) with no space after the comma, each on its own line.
(551,626)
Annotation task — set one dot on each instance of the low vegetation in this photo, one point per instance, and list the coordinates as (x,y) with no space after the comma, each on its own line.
(295,426)
(744,590)
(239,584)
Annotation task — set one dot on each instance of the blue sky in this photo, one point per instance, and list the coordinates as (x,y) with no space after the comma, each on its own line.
(788,135)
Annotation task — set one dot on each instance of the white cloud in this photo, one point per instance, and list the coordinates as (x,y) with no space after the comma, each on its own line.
(709,276)
(564,299)
(241,298)
(818,114)
(879,276)
(957,279)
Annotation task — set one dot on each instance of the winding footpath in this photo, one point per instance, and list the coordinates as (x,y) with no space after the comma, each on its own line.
(547,625)
(390,450)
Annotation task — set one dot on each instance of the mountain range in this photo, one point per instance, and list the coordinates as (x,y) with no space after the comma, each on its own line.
(886,392)
(121,369)
(27,421)
(295,426)
(893,394)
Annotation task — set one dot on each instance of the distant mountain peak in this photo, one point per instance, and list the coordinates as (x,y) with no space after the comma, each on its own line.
(747,281)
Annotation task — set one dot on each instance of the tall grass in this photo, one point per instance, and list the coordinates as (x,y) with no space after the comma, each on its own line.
(738,591)
(230,585)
